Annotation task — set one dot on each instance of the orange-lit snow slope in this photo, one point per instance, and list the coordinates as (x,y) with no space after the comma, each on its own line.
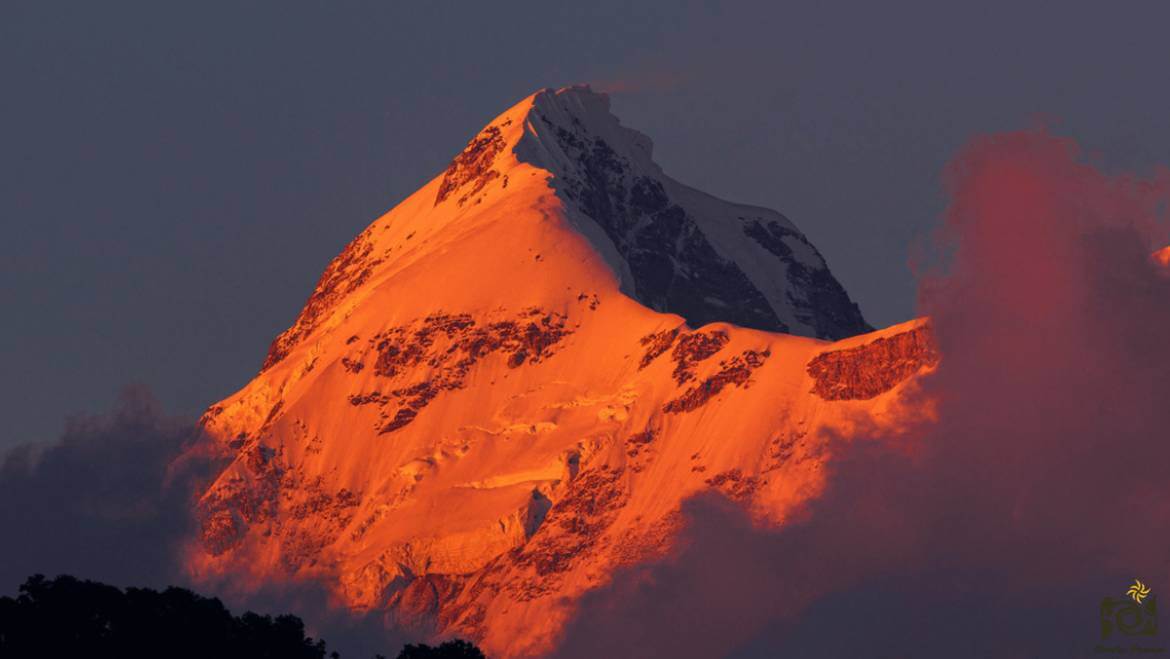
(479,413)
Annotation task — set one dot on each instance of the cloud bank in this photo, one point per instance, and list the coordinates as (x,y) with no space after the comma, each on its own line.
(1042,486)
(98,503)
(109,502)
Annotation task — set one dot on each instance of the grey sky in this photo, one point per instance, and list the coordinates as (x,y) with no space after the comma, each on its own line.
(175,176)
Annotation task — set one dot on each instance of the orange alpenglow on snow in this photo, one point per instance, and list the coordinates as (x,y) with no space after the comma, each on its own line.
(502,390)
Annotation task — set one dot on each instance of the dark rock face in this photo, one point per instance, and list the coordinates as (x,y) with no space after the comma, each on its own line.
(869,370)
(827,306)
(675,267)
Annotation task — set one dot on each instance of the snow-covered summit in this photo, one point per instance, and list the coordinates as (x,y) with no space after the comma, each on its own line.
(675,249)
(477,418)
(668,246)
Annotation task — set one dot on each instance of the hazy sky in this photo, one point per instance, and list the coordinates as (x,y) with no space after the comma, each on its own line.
(175,176)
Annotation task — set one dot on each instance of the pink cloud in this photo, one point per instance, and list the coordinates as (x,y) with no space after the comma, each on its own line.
(1042,486)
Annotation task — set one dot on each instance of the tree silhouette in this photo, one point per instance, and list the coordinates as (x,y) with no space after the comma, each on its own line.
(453,649)
(68,617)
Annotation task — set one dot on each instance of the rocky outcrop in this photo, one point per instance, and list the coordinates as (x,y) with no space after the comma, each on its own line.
(472,168)
(448,346)
(874,368)
(735,371)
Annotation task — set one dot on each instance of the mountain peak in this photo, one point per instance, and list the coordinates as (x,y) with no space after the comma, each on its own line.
(492,400)
(673,248)
(533,130)
(579,107)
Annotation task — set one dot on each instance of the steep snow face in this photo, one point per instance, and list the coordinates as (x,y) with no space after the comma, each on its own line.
(479,414)
(679,250)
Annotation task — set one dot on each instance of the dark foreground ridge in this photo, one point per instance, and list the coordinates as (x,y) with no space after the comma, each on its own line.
(69,617)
